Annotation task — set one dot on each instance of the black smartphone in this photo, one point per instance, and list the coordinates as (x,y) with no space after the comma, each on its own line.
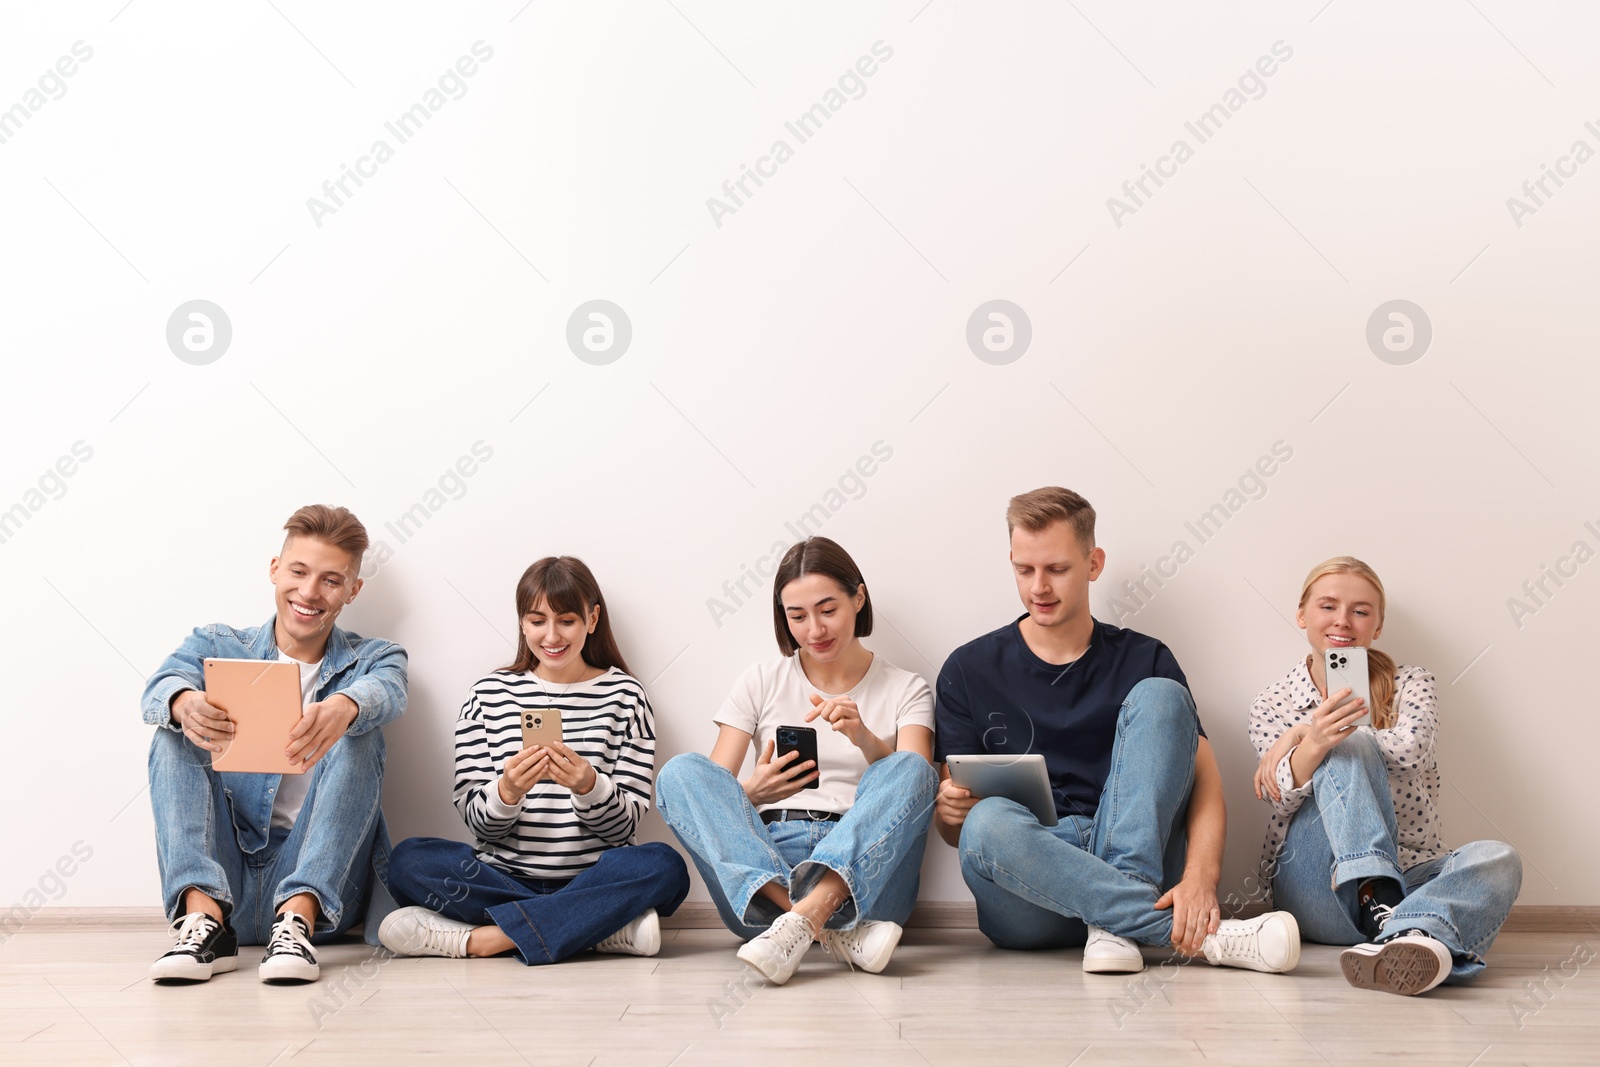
(801,739)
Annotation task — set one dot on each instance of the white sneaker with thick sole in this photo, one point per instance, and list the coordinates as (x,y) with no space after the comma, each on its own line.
(1270,943)
(868,946)
(290,957)
(778,950)
(417,931)
(1407,965)
(1106,953)
(642,937)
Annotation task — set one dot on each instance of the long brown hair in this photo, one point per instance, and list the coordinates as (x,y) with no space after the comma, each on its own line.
(1380,665)
(566,584)
(818,555)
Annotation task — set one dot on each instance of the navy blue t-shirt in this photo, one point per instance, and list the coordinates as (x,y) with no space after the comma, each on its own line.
(996,695)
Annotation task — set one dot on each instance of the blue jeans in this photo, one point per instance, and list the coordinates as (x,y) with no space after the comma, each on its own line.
(1038,886)
(547,919)
(1345,832)
(876,847)
(336,850)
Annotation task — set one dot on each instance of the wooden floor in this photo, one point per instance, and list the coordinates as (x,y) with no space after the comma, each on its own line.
(80,996)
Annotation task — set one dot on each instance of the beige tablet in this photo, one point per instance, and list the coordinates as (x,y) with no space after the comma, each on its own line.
(262,697)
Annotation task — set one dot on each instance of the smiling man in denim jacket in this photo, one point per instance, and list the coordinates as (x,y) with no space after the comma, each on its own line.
(271,859)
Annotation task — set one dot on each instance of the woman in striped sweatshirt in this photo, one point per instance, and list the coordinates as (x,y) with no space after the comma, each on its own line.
(555,870)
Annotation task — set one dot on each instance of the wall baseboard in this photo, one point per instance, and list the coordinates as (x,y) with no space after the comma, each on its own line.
(699,915)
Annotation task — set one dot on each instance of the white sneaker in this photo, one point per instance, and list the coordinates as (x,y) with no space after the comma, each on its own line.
(1106,953)
(1269,942)
(642,937)
(1407,965)
(777,952)
(417,931)
(868,946)
(290,957)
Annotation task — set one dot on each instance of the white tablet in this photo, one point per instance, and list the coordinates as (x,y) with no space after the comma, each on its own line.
(1019,778)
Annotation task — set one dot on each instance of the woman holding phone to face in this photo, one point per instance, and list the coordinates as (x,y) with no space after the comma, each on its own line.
(555,870)
(801,851)
(1362,801)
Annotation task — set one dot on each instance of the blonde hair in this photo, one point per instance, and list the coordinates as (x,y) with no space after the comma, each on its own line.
(1380,665)
(1035,510)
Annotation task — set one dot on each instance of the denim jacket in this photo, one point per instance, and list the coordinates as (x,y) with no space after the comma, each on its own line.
(369,671)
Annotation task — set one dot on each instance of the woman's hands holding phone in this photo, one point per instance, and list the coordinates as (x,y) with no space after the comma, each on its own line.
(535,763)
(1332,722)
(770,781)
(522,772)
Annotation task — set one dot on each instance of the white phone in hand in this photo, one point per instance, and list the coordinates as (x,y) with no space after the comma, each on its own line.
(1347,669)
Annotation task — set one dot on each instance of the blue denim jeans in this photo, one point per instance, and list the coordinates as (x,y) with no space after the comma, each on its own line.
(1038,886)
(547,919)
(1345,832)
(336,850)
(876,847)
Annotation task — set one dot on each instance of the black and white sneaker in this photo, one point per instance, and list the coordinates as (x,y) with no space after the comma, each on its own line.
(290,957)
(205,947)
(1407,965)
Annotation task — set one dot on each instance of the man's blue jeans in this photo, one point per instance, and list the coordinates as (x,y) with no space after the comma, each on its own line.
(332,852)
(1345,832)
(1037,886)
(876,847)
(548,920)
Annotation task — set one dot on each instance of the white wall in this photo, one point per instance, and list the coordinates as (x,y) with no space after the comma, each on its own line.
(769,352)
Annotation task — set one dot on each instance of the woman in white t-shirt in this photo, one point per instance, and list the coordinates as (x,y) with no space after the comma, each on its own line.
(798,851)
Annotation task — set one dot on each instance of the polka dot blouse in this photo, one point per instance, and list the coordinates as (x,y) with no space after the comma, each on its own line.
(1408,751)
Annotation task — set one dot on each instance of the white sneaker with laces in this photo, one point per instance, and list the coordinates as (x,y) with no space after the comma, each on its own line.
(642,937)
(290,957)
(778,950)
(1106,953)
(1268,943)
(868,946)
(1405,966)
(417,931)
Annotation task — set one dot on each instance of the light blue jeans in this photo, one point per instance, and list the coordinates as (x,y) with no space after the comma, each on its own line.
(876,847)
(1346,831)
(336,851)
(1037,886)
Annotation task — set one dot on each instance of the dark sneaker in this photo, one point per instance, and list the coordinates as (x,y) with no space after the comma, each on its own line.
(205,947)
(1376,900)
(290,957)
(1405,966)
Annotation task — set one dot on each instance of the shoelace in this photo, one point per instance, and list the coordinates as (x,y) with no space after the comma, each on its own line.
(286,937)
(192,930)
(442,939)
(792,934)
(1382,913)
(1098,934)
(1234,942)
(839,943)
(616,940)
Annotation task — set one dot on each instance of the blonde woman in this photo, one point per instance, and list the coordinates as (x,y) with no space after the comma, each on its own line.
(1361,802)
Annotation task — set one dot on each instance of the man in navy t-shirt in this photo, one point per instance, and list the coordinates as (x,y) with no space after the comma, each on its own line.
(1138,850)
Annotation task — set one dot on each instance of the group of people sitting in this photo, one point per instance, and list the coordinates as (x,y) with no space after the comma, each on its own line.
(824,848)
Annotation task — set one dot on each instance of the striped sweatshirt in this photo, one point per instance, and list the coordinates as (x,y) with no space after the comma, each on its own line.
(553,834)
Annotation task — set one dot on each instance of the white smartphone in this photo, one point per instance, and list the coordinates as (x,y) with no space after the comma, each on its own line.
(1347,669)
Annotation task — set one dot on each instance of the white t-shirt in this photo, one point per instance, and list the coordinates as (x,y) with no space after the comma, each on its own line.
(292,787)
(777,693)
